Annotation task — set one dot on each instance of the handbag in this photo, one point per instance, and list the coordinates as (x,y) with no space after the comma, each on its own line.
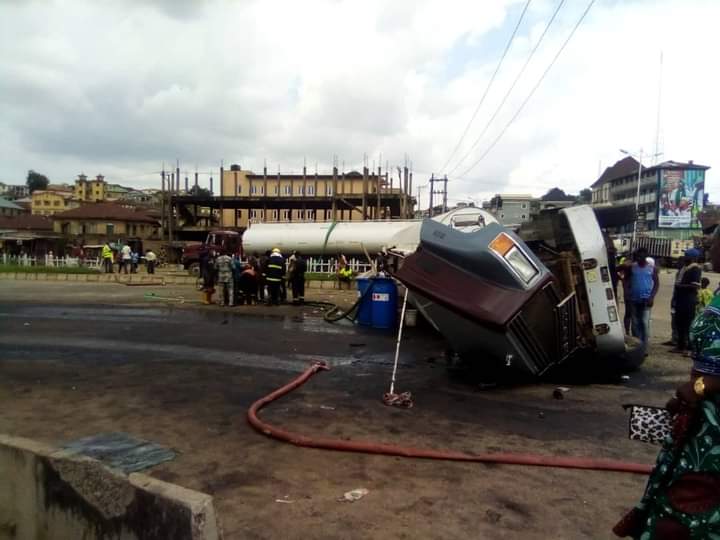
(649,424)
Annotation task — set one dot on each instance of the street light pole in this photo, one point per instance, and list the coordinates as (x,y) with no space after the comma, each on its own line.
(637,194)
(637,200)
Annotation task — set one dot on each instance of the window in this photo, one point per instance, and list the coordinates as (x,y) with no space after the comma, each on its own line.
(253,214)
(110,228)
(285,215)
(239,189)
(253,190)
(301,190)
(311,190)
(522,217)
(276,190)
(523,206)
(239,214)
(288,190)
(329,190)
(46,203)
(275,214)
(56,203)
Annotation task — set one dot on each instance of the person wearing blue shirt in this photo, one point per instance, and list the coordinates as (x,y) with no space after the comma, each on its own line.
(644,284)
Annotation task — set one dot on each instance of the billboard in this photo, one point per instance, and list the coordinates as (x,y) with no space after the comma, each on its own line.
(680,198)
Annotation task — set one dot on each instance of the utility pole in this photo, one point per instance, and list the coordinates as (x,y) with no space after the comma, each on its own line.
(432,192)
(162,202)
(445,206)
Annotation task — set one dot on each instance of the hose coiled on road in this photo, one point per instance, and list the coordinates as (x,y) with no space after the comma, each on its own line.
(368,447)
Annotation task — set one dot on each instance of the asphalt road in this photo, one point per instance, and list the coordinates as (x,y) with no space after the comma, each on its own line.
(84,359)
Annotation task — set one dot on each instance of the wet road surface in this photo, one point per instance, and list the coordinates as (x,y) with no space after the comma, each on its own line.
(114,333)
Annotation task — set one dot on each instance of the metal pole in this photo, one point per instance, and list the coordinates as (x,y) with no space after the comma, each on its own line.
(432,190)
(637,200)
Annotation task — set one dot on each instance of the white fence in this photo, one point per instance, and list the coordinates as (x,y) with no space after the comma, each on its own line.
(47,260)
(330,266)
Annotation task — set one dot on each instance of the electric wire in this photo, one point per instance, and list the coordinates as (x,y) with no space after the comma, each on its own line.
(530,95)
(512,87)
(487,88)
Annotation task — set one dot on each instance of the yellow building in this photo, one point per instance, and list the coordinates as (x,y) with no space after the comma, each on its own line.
(48,202)
(94,190)
(106,222)
(316,195)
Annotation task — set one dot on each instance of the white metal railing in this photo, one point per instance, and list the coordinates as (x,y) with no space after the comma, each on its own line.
(51,261)
(330,266)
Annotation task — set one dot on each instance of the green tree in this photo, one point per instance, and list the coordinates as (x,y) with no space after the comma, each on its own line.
(36,181)
(556,194)
(198,191)
(585,196)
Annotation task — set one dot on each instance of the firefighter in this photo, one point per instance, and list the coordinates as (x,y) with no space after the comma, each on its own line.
(274,275)
(297,278)
(225,278)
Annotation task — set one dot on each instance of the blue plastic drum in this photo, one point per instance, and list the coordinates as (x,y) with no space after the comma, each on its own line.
(364,313)
(384,301)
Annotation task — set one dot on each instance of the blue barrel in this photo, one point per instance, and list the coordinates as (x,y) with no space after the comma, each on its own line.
(384,300)
(364,312)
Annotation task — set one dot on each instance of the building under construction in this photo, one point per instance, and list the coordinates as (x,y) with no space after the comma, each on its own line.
(246,198)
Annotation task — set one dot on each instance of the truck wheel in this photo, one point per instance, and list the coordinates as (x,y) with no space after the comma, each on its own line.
(194,269)
(634,354)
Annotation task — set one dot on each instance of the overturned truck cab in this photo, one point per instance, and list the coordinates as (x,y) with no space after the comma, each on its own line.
(522,302)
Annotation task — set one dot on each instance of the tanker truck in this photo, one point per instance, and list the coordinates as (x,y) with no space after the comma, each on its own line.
(524,302)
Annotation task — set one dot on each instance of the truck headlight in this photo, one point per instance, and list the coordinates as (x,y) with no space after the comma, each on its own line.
(521,264)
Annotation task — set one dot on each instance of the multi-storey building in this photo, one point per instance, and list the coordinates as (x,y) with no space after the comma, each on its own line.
(347,196)
(671,196)
(94,190)
(47,202)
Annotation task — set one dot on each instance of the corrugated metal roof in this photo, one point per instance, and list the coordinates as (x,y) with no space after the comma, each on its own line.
(4,203)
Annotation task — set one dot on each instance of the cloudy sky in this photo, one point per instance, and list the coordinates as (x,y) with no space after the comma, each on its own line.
(119,87)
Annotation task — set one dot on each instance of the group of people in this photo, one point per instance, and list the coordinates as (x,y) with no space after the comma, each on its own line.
(682,497)
(691,294)
(259,279)
(127,259)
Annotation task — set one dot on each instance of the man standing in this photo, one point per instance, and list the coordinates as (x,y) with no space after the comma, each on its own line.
(150,259)
(125,258)
(297,278)
(225,278)
(686,290)
(274,275)
(107,258)
(644,284)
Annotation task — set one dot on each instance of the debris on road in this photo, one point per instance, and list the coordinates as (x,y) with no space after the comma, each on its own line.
(354,495)
(560,391)
(284,500)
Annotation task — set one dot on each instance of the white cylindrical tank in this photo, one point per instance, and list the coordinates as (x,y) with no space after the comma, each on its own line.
(327,238)
(354,237)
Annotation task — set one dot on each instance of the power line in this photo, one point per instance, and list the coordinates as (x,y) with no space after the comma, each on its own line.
(487,89)
(532,92)
(512,87)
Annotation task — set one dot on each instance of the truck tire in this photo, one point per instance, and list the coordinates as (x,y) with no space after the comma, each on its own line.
(194,269)
(634,355)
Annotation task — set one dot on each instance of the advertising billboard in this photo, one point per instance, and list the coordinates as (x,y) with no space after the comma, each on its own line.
(680,199)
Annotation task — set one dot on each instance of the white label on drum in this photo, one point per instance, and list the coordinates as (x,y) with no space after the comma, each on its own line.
(381,297)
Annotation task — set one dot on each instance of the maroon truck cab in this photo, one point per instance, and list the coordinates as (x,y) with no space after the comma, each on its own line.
(228,242)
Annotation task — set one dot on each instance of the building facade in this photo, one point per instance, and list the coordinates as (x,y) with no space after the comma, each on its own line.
(93,190)
(672,194)
(105,222)
(512,210)
(9,208)
(316,190)
(13,192)
(49,202)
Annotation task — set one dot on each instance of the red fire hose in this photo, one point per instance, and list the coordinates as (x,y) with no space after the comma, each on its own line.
(402,451)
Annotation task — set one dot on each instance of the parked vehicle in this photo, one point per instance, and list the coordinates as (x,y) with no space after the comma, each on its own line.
(220,241)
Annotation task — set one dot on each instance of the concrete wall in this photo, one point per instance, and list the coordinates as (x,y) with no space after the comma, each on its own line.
(47,494)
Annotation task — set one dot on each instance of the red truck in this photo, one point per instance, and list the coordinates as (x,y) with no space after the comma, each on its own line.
(229,242)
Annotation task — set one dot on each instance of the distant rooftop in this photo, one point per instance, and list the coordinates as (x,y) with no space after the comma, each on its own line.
(4,203)
(629,166)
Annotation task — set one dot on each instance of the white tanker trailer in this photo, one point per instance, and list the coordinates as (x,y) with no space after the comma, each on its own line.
(352,237)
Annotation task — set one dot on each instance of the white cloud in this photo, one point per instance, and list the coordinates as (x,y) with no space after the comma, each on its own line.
(119,88)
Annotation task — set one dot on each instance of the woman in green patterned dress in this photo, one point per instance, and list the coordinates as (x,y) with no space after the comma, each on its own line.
(682,497)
